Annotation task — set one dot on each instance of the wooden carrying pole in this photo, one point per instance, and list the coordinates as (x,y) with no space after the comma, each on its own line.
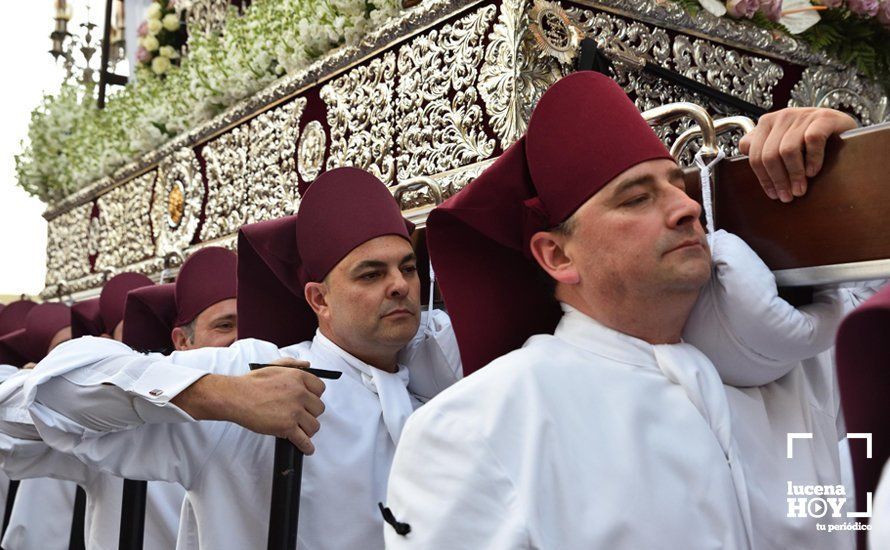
(836,232)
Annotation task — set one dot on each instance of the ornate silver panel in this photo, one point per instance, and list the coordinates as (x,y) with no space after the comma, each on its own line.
(67,255)
(175,217)
(514,74)
(124,224)
(823,86)
(271,164)
(361,117)
(225,160)
(438,115)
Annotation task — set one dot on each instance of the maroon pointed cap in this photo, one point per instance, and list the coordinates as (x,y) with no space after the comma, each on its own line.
(207,277)
(41,325)
(583,133)
(342,209)
(863,356)
(114,297)
(12,328)
(85,319)
(148,318)
(13,315)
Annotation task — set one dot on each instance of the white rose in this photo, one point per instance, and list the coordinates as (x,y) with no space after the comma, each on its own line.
(150,43)
(160,65)
(153,11)
(154,26)
(171,22)
(168,51)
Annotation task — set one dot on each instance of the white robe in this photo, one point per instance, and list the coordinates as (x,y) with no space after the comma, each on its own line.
(41,516)
(24,456)
(590,438)
(226,469)
(879,535)
(43,508)
(5,372)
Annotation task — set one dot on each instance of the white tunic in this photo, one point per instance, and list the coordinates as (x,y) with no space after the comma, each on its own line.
(5,372)
(24,456)
(590,438)
(879,535)
(226,469)
(41,516)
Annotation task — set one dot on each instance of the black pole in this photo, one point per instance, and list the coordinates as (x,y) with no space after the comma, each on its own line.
(76,540)
(729,100)
(287,475)
(10,500)
(132,515)
(284,514)
(106,49)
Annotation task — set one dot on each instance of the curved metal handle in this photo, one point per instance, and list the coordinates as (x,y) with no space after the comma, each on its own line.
(666,114)
(418,182)
(168,257)
(61,288)
(721,126)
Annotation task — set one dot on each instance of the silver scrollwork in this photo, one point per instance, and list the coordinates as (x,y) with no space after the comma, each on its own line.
(823,86)
(439,120)
(226,166)
(360,116)
(514,74)
(67,252)
(124,225)
(271,165)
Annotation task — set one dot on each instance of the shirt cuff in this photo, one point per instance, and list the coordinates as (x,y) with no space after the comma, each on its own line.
(161,382)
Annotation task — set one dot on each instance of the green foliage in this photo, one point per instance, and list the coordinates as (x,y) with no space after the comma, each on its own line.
(857,41)
(71,143)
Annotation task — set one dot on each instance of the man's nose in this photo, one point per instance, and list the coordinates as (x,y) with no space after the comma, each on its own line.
(682,209)
(399,287)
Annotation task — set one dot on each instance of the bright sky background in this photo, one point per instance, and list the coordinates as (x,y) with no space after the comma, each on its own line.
(29,71)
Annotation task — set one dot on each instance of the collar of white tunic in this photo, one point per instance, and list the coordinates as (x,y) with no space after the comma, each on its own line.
(586,333)
(391,387)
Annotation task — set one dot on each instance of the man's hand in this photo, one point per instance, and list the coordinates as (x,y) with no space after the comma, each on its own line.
(281,401)
(788,146)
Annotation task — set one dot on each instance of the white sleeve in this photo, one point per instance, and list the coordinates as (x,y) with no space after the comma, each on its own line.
(432,356)
(751,335)
(26,459)
(110,406)
(449,487)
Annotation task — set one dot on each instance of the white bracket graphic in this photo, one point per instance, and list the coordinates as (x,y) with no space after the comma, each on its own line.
(791,437)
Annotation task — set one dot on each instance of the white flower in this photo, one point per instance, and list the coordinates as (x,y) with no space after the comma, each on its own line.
(150,43)
(715,7)
(168,51)
(154,26)
(153,12)
(171,22)
(160,65)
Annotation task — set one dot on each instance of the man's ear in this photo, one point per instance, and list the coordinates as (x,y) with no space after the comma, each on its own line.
(180,339)
(548,248)
(316,297)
